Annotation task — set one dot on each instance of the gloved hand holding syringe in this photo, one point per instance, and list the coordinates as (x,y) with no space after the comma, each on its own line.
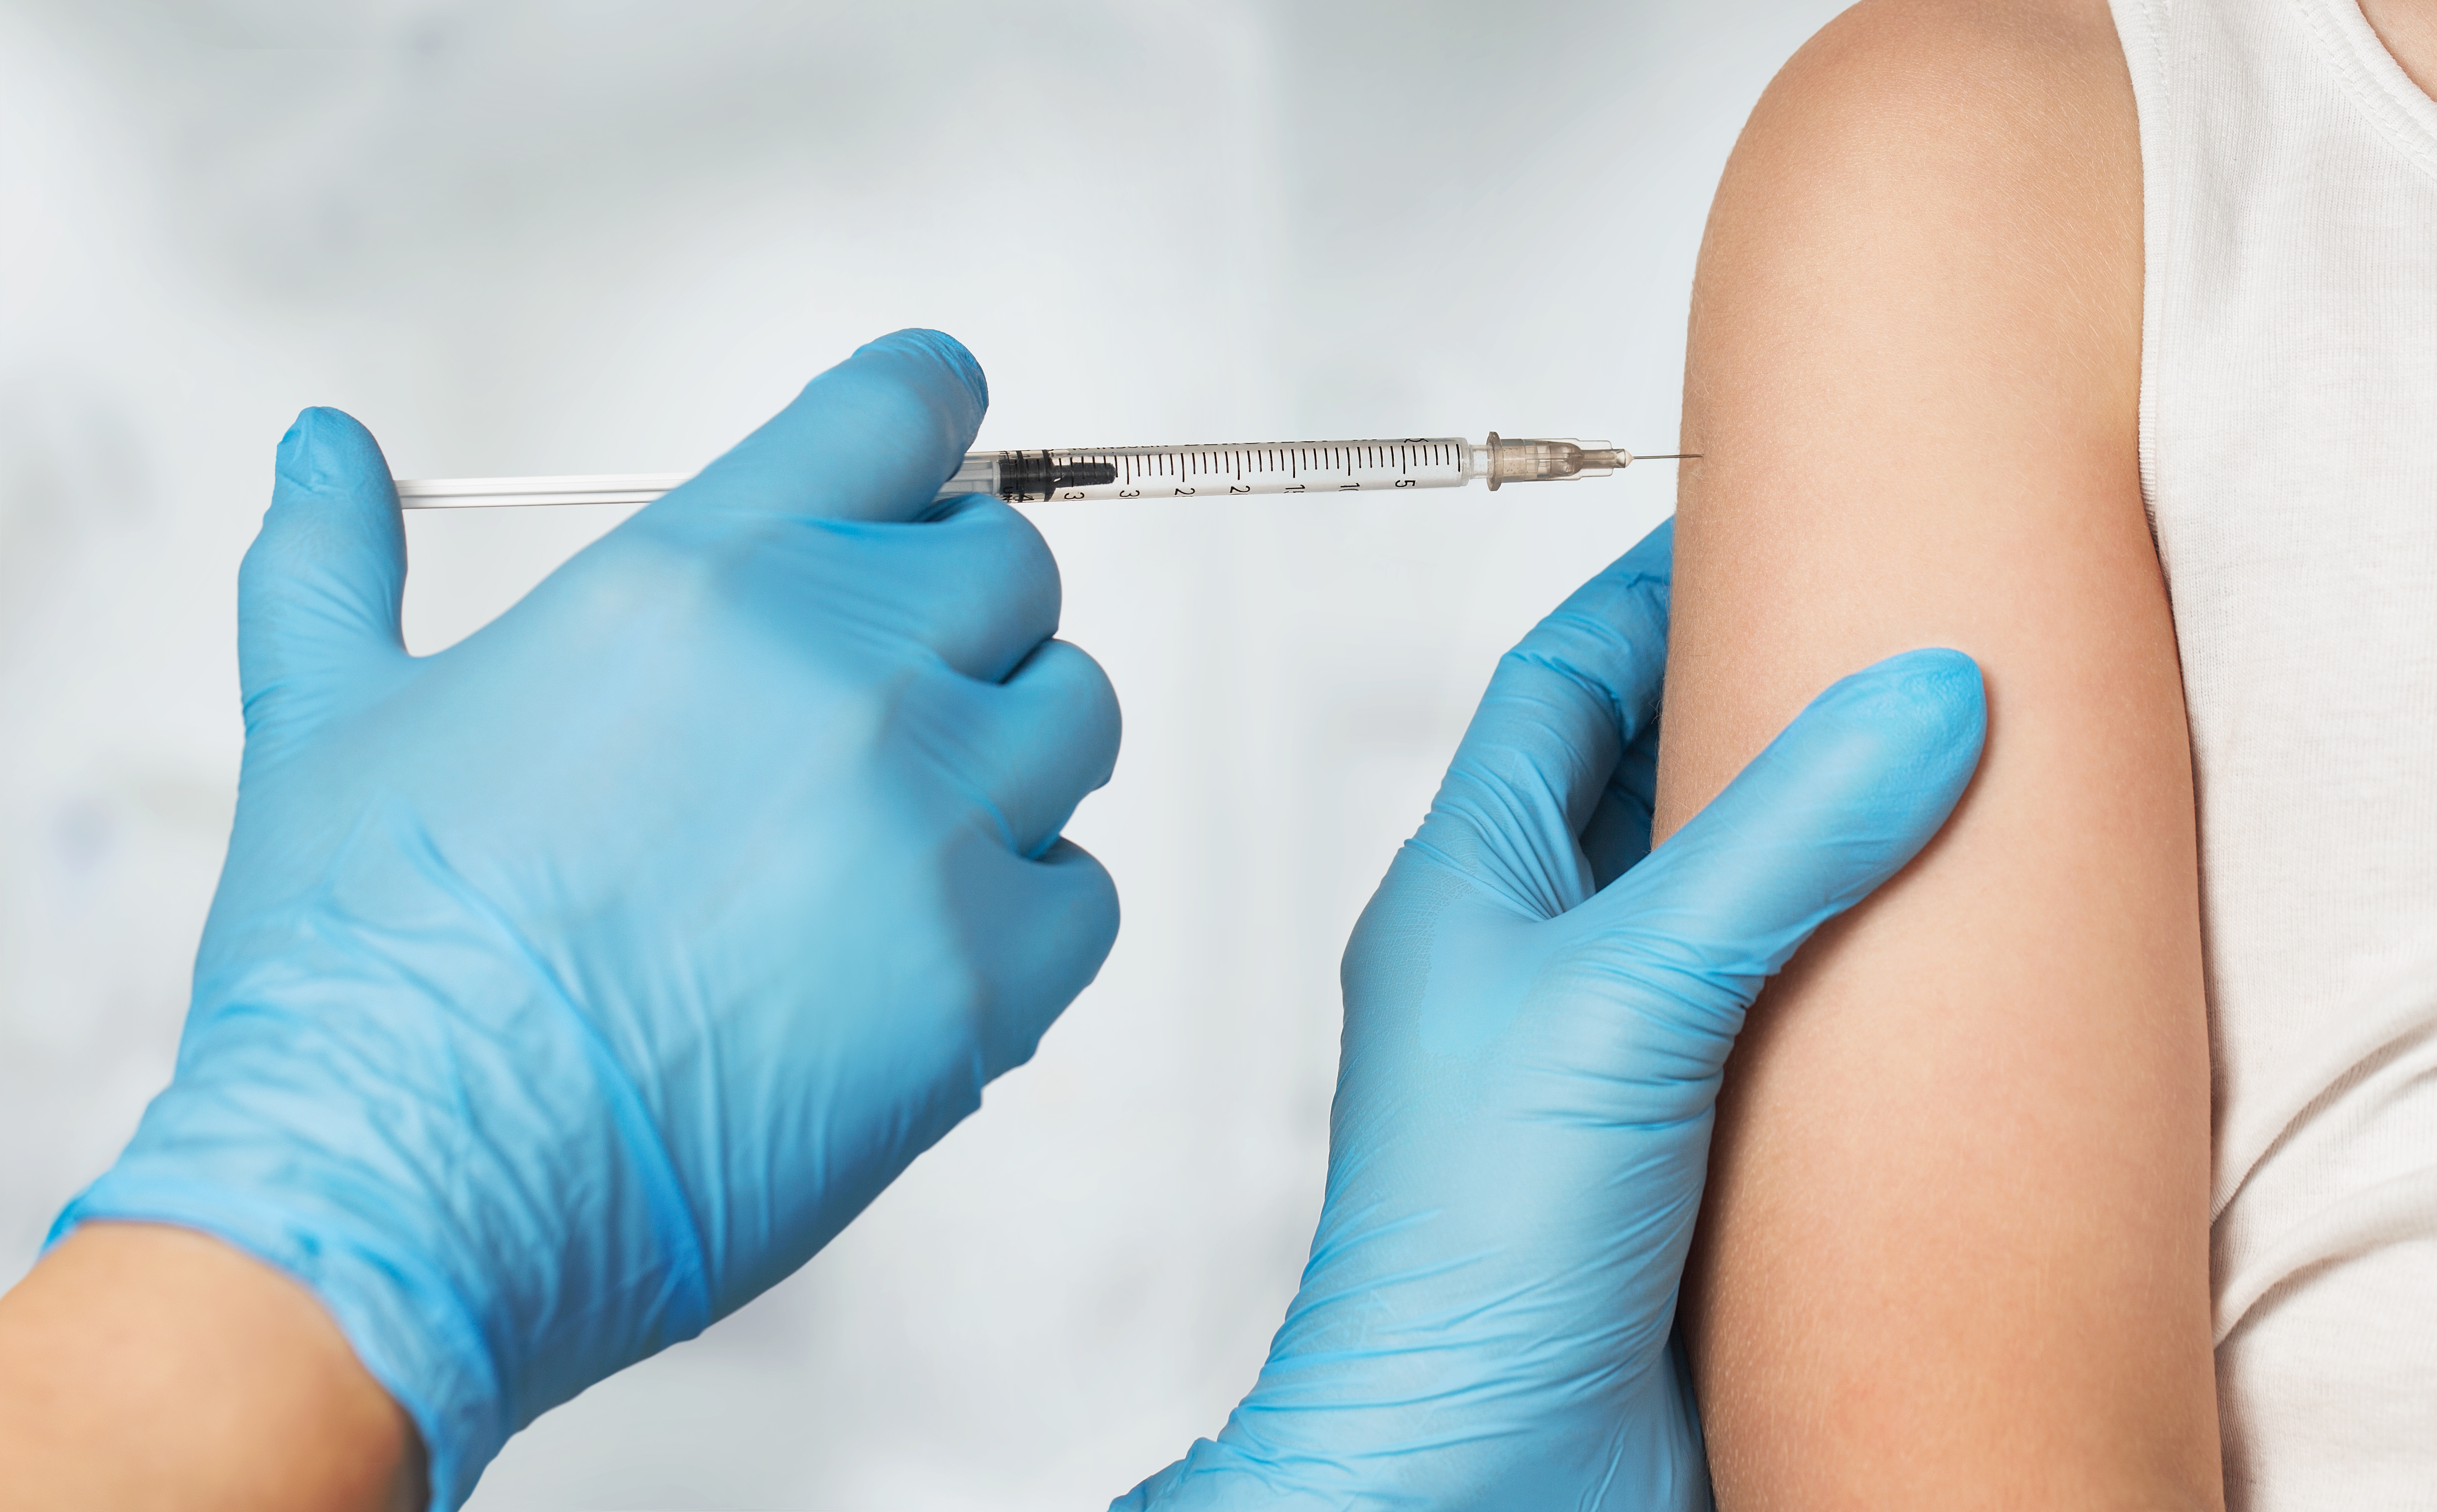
(1135,472)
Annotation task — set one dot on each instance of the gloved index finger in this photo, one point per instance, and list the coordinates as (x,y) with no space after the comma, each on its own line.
(1560,710)
(872,438)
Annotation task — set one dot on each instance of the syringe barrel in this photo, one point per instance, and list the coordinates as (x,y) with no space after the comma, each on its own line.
(1218,471)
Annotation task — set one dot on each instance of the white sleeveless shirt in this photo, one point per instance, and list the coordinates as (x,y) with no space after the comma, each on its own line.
(2289,457)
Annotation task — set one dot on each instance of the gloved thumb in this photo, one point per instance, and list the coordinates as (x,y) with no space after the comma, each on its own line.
(873,438)
(1844,797)
(320,589)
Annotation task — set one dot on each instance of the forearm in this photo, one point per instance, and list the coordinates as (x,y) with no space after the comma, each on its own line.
(155,1368)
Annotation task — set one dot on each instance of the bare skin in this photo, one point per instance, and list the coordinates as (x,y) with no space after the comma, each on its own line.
(147,1370)
(1955,1253)
(2409,28)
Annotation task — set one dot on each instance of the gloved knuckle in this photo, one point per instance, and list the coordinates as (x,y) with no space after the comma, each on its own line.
(1015,571)
(950,990)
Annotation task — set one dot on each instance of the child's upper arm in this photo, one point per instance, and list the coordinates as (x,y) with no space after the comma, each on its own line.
(1955,1251)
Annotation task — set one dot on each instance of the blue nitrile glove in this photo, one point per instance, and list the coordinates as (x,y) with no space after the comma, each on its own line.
(568,988)
(1534,1041)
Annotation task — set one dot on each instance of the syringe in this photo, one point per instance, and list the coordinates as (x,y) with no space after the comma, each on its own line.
(1137,472)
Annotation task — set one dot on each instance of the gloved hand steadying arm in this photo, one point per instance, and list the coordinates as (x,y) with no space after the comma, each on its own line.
(568,988)
(1537,1012)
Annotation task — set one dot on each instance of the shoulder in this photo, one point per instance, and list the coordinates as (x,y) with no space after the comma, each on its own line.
(1936,208)
(1936,77)
(1934,184)
(1914,360)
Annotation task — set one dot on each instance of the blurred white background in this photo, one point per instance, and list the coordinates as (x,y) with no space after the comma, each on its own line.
(612,235)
